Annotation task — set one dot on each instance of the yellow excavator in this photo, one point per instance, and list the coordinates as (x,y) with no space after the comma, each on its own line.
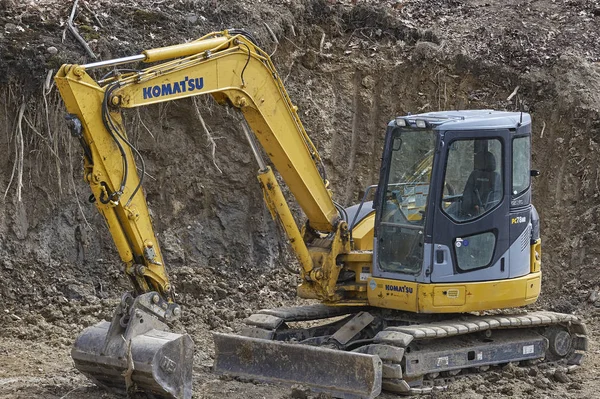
(413,286)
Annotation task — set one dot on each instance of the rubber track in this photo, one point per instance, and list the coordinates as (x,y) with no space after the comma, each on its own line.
(468,325)
(402,336)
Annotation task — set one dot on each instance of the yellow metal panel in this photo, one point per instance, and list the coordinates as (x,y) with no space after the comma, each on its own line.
(362,233)
(483,295)
(461,297)
(533,288)
(357,257)
(360,262)
(392,294)
(449,296)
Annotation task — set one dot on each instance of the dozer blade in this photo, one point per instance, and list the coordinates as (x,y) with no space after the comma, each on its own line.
(347,375)
(136,354)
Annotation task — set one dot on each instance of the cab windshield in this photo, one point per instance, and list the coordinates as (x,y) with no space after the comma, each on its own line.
(401,228)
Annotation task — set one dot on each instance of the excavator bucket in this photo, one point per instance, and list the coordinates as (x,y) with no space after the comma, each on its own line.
(136,354)
(347,375)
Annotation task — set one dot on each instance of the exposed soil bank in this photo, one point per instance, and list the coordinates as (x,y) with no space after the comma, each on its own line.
(349,69)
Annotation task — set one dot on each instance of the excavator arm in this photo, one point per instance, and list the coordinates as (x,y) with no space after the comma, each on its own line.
(229,66)
(236,72)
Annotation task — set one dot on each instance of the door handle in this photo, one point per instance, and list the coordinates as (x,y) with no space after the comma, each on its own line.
(439,256)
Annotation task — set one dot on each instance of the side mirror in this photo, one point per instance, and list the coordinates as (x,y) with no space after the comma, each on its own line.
(534,173)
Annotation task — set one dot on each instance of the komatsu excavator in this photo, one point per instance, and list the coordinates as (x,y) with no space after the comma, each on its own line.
(413,286)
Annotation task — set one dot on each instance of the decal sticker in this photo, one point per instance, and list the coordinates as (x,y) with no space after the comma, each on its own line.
(169,88)
(528,350)
(518,219)
(372,284)
(442,361)
(399,288)
(461,243)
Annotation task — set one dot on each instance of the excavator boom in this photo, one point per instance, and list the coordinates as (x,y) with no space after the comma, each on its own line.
(236,72)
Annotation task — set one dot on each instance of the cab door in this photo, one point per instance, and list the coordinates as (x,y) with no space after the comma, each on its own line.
(470,232)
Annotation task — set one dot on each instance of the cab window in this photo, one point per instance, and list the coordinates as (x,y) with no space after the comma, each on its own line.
(473,178)
(402,218)
(521,164)
(474,252)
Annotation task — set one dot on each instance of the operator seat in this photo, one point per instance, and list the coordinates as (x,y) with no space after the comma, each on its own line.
(484,186)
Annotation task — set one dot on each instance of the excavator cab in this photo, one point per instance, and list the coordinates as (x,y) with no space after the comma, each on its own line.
(454,201)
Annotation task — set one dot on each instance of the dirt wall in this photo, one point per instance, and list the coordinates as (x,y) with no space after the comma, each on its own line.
(350,68)
(348,81)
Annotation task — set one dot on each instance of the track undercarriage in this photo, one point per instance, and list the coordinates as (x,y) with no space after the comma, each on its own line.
(366,350)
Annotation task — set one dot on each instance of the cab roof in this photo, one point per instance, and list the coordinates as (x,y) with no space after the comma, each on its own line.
(471,119)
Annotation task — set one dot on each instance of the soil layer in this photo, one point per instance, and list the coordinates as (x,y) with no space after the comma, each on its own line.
(350,66)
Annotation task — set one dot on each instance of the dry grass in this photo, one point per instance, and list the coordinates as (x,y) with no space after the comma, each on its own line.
(209,137)
(38,144)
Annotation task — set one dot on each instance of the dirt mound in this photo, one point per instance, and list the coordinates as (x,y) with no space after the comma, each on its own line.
(349,68)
